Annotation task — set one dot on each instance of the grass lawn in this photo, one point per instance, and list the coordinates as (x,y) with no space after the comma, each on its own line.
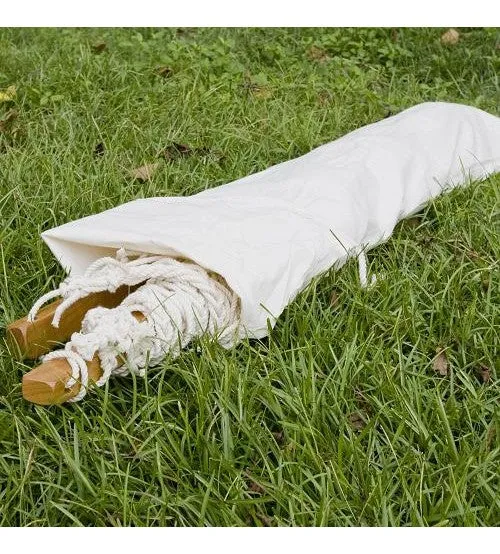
(363,407)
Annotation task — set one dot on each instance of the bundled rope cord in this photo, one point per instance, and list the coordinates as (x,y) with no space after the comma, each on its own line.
(179,301)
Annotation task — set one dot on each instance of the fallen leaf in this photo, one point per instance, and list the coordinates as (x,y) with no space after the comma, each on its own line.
(279,437)
(484,373)
(412,222)
(252,485)
(164,71)
(473,255)
(265,520)
(324,98)
(176,150)
(99,149)
(10,130)
(317,54)
(462,250)
(451,36)
(256,488)
(7,121)
(357,421)
(440,364)
(9,94)
(144,172)
(181,31)
(99,47)
(334,299)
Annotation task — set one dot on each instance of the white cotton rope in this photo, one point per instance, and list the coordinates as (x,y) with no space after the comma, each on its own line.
(179,300)
(363,271)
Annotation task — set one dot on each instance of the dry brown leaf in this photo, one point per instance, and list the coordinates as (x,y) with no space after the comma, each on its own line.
(317,54)
(334,299)
(440,364)
(265,520)
(473,255)
(279,437)
(99,47)
(176,150)
(164,71)
(412,222)
(357,421)
(451,36)
(181,31)
(144,172)
(7,121)
(324,98)
(99,149)
(484,373)
(252,485)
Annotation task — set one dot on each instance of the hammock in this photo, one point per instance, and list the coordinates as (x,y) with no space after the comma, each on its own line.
(262,238)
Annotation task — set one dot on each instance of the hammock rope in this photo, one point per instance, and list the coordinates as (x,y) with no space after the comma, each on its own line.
(179,301)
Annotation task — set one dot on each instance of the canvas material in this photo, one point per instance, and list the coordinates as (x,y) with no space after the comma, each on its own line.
(268,234)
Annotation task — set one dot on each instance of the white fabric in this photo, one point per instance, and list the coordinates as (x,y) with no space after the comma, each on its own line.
(179,300)
(269,233)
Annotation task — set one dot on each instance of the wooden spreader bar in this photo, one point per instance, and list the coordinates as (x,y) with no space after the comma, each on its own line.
(46,383)
(30,340)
